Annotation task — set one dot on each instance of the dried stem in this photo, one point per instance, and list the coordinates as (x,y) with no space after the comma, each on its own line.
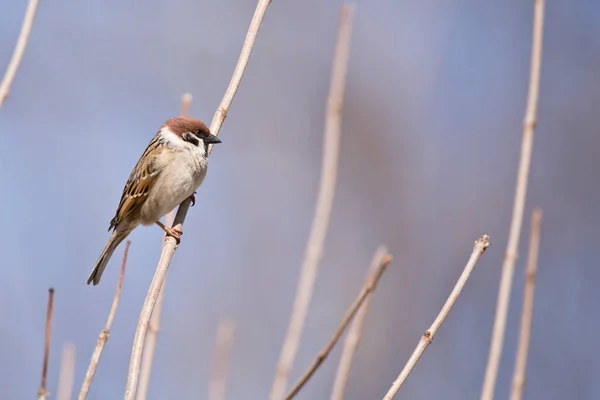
(220,364)
(154,326)
(15,60)
(42,392)
(105,333)
(508,265)
(368,287)
(354,334)
(518,382)
(314,247)
(67,372)
(480,246)
(170,245)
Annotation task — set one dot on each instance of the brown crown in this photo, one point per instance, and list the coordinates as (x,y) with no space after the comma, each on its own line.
(180,125)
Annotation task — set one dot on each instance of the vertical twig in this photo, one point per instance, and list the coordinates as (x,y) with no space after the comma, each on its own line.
(154,325)
(354,333)
(67,372)
(220,364)
(508,265)
(314,247)
(15,60)
(42,392)
(170,245)
(518,382)
(368,287)
(105,333)
(480,246)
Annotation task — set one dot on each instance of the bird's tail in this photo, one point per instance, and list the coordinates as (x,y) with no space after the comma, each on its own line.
(115,239)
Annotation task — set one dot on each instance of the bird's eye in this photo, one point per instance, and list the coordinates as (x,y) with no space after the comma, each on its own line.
(199,133)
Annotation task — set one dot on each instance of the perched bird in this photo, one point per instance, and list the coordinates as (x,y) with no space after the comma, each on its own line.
(171,169)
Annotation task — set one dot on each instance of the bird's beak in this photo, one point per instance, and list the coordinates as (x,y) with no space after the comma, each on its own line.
(212,139)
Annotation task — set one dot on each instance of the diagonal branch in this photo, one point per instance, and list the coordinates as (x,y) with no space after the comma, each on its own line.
(532,260)
(508,266)
(42,392)
(314,247)
(15,60)
(104,333)
(368,287)
(170,245)
(154,326)
(480,245)
(353,337)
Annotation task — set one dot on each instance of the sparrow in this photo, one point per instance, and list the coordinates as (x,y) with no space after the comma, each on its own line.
(171,169)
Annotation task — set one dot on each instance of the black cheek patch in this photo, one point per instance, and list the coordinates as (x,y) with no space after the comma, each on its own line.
(189,137)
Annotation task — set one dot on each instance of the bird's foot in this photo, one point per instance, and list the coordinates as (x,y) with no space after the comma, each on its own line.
(173,232)
(193,198)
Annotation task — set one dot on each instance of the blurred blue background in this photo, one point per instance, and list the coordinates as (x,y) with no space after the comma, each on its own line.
(431,137)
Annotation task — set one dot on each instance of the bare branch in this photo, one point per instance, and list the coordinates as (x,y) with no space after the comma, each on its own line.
(170,245)
(368,287)
(15,60)
(42,392)
(354,333)
(220,364)
(67,372)
(518,382)
(508,266)
(104,333)
(480,246)
(314,247)
(154,326)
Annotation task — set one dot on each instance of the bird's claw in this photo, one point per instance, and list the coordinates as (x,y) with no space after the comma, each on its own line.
(174,233)
(193,198)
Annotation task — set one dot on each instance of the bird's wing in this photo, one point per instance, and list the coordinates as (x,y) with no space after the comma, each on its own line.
(140,182)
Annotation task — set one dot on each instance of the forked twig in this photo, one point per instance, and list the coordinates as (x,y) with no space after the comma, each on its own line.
(480,245)
(15,60)
(353,336)
(170,244)
(154,325)
(368,287)
(42,392)
(316,240)
(518,382)
(104,333)
(508,266)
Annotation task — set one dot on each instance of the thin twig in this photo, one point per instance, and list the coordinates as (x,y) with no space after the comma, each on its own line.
(220,363)
(518,382)
(67,372)
(105,333)
(15,60)
(354,334)
(368,287)
(154,326)
(170,245)
(316,240)
(42,392)
(508,265)
(480,245)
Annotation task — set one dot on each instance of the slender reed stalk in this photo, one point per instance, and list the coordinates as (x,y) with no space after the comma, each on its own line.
(220,364)
(480,246)
(170,244)
(66,376)
(325,196)
(104,333)
(42,392)
(508,266)
(518,382)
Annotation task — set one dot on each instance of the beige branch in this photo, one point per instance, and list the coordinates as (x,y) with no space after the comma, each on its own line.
(508,265)
(220,364)
(518,382)
(354,333)
(154,326)
(170,246)
(67,372)
(368,287)
(104,333)
(42,392)
(314,247)
(480,246)
(15,60)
